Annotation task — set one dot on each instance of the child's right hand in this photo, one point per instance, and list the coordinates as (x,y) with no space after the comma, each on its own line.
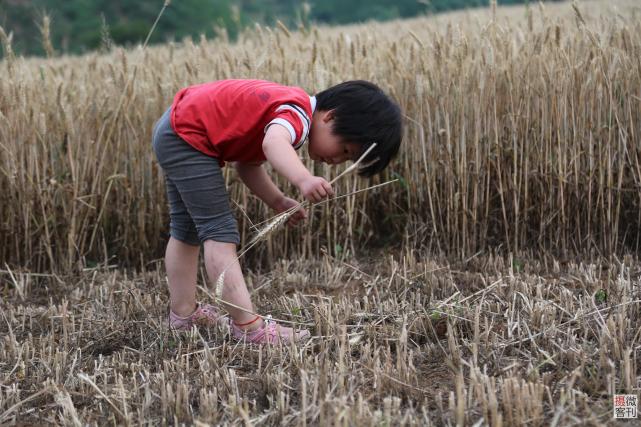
(315,188)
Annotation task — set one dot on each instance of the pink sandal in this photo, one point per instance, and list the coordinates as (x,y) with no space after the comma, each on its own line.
(205,315)
(269,333)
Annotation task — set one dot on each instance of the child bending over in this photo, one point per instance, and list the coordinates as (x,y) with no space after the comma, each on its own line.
(248,122)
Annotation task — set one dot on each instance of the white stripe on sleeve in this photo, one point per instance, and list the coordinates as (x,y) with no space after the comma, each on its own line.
(285,123)
(304,119)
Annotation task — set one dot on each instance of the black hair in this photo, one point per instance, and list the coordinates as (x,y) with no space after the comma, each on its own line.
(364,114)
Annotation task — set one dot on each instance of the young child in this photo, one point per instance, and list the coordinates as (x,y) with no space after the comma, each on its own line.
(247,122)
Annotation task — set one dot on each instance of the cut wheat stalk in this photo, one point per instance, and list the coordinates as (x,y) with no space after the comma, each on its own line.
(89,381)
(284,216)
(333,199)
(268,229)
(5,415)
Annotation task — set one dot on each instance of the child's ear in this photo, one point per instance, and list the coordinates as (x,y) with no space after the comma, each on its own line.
(328,116)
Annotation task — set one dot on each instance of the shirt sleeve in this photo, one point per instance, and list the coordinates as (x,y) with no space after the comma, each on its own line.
(295,120)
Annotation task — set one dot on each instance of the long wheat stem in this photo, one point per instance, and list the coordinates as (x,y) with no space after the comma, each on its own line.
(284,216)
(112,126)
(333,199)
(278,220)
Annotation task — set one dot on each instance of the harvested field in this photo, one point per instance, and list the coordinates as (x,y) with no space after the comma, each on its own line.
(407,340)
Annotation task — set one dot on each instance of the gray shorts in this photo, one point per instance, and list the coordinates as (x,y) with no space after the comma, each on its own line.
(198,200)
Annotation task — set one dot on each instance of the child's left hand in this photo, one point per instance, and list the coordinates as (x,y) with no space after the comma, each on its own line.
(298,216)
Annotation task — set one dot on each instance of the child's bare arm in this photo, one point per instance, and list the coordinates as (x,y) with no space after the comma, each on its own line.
(282,156)
(260,183)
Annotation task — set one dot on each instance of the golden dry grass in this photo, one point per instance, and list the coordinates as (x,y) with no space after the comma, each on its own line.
(402,340)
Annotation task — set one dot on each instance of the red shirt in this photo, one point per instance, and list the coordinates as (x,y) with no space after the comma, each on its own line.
(227,119)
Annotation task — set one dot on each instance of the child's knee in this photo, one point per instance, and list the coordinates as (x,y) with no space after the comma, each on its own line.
(219,255)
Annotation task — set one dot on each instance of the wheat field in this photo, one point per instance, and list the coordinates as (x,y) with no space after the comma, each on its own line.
(495,282)
(522,133)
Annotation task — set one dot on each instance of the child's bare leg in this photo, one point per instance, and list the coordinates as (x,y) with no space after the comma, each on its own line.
(221,256)
(181,264)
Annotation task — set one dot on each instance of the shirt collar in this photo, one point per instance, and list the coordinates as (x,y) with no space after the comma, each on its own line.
(312,100)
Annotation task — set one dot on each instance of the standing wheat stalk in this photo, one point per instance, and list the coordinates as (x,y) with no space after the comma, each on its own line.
(5,40)
(45,32)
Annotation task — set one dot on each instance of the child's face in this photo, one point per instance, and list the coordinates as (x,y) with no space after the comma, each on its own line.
(326,147)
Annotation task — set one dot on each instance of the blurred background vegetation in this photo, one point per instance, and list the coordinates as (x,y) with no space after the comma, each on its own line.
(79,26)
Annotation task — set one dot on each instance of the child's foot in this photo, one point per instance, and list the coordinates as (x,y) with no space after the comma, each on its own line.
(269,332)
(205,315)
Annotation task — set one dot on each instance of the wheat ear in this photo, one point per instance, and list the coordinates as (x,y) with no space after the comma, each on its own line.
(284,216)
(220,283)
(342,196)
(265,231)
